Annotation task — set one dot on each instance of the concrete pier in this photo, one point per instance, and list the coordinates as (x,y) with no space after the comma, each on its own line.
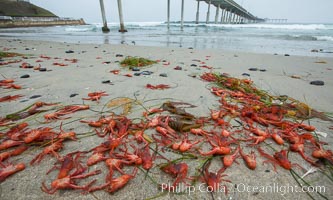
(231,12)
(105,28)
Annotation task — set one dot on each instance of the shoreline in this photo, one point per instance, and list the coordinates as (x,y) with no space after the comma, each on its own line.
(285,40)
(93,65)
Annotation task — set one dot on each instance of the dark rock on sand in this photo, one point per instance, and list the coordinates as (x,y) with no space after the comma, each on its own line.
(286,55)
(69,51)
(106,82)
(143,73)
(35,96)
(262,70)
(178,68)
(163,75)
(246,74)
(25,76)
(135,69)
(253,69)
(73,95)
(42,69)
(119,55)
(147,72)
(194,65)
(317,82)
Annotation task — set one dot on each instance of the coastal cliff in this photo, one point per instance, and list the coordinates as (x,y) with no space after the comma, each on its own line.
(24,14)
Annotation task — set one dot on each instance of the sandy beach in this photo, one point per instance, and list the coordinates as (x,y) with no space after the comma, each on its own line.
(93,66)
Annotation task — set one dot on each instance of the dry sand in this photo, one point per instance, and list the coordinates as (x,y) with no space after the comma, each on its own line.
(57,84)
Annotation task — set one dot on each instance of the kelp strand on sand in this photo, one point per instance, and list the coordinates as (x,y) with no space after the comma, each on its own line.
(136,62)
(123,102)
(294,108)
(4,54)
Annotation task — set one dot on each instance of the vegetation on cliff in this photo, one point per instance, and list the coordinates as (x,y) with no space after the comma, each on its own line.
(23,9)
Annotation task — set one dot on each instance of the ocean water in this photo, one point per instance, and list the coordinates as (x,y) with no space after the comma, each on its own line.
(293,39)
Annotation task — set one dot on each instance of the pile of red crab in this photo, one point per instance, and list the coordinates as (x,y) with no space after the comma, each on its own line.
(129,145)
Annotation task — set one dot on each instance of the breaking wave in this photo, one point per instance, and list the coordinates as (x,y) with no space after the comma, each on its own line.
(307,38)
(83,28)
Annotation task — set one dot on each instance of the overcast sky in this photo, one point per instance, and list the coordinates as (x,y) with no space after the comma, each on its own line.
(155,10)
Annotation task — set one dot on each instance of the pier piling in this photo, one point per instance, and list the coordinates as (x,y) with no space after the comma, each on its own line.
(208,12)
(222,15)
(105,28)
(182,17)
(168,14)
(197,15)
(121,18)
(217,13)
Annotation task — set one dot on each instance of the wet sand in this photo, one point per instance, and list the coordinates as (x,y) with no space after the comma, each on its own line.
(94,64)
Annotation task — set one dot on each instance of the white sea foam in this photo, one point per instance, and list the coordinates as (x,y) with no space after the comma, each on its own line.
(324,38)
(85,28)
(131,24)
(278,26)
(143,24)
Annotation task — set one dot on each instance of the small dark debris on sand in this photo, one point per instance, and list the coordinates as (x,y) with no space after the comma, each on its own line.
(106,82)
(253,69)
(135,69)
(317,82)
(163,75)
(35,96)
(73,95)
(178,68)
(25,76)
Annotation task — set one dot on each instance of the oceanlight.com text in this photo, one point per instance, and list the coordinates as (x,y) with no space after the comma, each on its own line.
(243,188)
